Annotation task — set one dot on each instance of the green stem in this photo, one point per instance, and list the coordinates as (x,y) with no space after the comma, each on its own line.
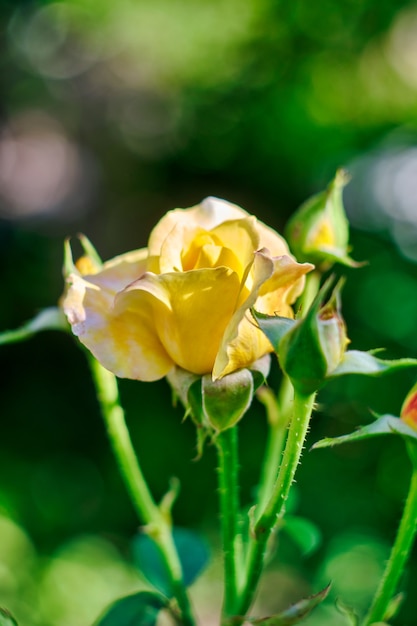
(143,502)
(303,406)
(398,557)
(226,443)
(279,413)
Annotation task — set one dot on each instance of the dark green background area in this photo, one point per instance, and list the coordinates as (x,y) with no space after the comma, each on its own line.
(164,103)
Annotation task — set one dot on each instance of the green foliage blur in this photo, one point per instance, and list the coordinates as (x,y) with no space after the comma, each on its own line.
(113,113)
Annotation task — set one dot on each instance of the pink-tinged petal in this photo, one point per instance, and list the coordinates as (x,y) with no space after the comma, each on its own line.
(190,312)
(243,343)
(125,344)
(285,285)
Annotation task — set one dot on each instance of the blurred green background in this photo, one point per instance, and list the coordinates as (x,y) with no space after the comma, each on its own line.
(113,113)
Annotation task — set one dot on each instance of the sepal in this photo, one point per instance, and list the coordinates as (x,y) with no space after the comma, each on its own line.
(89,263)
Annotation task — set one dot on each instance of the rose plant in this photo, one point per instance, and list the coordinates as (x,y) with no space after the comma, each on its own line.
(204,304)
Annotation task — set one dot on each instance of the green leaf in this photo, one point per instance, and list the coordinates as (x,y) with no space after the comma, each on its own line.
(90,251)
(6,619)
(384,425)
(294,613)
(51,318)
(192,551)
(304,533)
(356,362)
(350,614)
(140,609)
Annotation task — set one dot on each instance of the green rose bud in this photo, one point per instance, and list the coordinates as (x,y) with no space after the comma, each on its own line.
(318,232)
(311,348)
(218,405)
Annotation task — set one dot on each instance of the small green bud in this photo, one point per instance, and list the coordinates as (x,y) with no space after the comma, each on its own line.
(311,348)
(315,345)
(318,232)
(218,405)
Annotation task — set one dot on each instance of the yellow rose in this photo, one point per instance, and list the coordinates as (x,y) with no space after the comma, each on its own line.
(184,300)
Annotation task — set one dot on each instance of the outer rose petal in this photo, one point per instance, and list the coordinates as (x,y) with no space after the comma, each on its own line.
(190,312)
(285,285)
(243,343)
(126,344)
(116,274)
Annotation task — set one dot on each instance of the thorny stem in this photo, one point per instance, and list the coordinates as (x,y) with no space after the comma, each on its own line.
(158,524)
(398,557)
(303,406)
(226,443)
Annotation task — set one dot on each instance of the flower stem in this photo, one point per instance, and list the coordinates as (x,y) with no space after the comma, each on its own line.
(226,443)
(398,557)
(275,508)
(143,502)
(279,414)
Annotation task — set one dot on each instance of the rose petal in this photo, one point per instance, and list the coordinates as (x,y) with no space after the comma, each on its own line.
(243,342)
(206,215)
(285,285)
(116,274)
(276,283)
(190,311)
(126,344)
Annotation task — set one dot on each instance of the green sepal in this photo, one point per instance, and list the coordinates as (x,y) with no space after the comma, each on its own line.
(304,533)
(140,608)
(351,616)
(90,251)
(6,618)
(357,362)
(384,425)
(318,232)
(51,318)
(69,266)
(295,613)
(192,552)
(273,326)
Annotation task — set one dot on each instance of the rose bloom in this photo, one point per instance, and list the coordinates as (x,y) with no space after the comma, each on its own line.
(185,299)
